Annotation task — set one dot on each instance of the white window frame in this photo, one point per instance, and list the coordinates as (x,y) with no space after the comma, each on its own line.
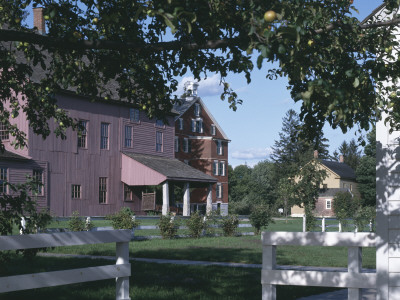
(220,150)
(3,180)
(213,129)
(4,133)
(82,135)
(159,141)
(104,136)
(134,115)
(222,173)
(176,144)
(180,124)
(37,176)
(128,139)
(328,204)
(76,191)
(186,145)
(197,109)
(219,190)
(103,193)
(215,167)
(197,125)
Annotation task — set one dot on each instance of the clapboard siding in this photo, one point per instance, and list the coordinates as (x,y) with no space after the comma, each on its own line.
(65,164)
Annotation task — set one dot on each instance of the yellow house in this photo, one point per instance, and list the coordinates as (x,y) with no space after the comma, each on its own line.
(340,178)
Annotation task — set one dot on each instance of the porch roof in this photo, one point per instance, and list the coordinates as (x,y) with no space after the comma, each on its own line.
(141,169)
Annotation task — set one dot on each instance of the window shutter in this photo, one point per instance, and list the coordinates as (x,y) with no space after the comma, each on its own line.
(193,125)
(222,191)
(189,146)
(213,168)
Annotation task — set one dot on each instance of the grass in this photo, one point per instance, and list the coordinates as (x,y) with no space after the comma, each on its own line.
(155,281)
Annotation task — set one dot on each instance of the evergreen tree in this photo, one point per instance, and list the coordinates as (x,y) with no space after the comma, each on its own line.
(351,153)
(366,171)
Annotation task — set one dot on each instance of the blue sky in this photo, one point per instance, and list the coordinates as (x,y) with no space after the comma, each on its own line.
(255,125)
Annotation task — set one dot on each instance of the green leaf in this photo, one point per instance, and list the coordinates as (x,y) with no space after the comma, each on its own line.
(356,82)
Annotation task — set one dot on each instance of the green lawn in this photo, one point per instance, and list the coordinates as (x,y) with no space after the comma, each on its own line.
(154,281)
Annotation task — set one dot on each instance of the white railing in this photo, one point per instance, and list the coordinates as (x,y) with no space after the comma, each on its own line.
(121,270)
(339,225)
(354,278)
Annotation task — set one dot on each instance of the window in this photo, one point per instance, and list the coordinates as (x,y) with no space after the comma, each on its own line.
(220,149)
(37,177)
(197,109)
(159,141)
(159,123)
(197,125)
(180,124)
(176,144)
(128,194)
(82,134)
(76,191)
(328,204)
(128,136)
(219,190)
(105,127)
(3,180)
(324,186)
(134,115)
(221,169)
(103,190)
(215,167)
(4,134)
(187,145)
(213,130)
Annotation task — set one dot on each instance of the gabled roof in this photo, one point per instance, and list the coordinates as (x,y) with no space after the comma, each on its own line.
(186,104)
(7,155)
(171,168)
(344,171)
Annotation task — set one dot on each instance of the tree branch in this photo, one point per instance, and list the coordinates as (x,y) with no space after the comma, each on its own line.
(31,37)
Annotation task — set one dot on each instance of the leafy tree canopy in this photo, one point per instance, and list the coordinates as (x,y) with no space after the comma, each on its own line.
(335,65)
(351,153)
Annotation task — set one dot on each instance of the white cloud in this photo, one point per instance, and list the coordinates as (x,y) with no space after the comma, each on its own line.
(207,87)
(251,154)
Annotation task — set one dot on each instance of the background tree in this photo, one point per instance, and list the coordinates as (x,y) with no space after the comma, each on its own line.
(366,171)
(336,66)
(350,152)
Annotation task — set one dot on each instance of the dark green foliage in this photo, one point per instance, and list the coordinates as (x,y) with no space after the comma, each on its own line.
(124,219)
(229,224)
(260,217)
(366,171)
(19,203)
(351,153)
(77,223)
(196,225)
(168,226)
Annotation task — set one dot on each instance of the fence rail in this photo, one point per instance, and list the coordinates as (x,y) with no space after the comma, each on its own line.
(121,270)
(354,278)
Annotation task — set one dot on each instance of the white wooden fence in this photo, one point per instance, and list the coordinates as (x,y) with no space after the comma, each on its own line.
(121,270)
(353,278)
(324,226)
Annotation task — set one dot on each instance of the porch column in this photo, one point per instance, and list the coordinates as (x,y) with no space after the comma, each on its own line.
(165,204)
(186,200)
(209,199)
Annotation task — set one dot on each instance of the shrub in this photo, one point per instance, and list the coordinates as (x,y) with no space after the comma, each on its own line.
(260,217)
(77,223)
(124,219)
(229,224)
(196,224)
(168,226)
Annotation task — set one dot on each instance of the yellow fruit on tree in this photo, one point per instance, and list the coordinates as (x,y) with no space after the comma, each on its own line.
(270,16)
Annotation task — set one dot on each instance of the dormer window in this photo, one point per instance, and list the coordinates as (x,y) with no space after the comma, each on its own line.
(197,109)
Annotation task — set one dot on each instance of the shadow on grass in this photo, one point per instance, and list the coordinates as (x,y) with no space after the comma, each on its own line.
(153,281)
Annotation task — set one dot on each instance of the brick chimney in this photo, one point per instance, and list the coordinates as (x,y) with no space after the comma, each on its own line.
(315,153)
(341,159)
(38,20)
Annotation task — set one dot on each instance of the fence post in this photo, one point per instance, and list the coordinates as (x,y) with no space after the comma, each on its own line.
(269,263)
(354,266)
(23,225)
(304,223)
(370,225)
(323,224)
(122,283)
(340,226)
